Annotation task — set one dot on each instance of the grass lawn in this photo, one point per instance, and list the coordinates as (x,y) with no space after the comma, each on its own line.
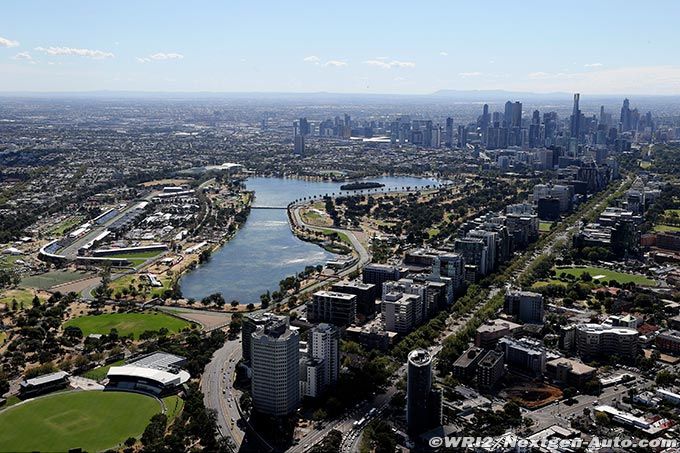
(8,261)
(544,227)
(66,225)
(127,323)
(99,373)
(49,279)
(173,405)
(91,420)
(433,231)
(3,336)
(124,282)
(145,255)
(605,274)
(542,283)
(24,297)
(666,228)
(343,237)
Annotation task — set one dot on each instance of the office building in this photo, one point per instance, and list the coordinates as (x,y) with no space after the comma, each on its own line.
(596,340)
(250,323)
(398,311)
(523,354)
(490,370)
(321,368)
(366,295)
(465,366)
(377,274)
(423,402)
(526,306)
(275,384)
(333,307)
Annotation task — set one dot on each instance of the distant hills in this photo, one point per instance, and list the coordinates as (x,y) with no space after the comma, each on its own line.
(493,96)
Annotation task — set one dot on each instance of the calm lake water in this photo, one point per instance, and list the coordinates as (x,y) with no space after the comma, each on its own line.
(265,251)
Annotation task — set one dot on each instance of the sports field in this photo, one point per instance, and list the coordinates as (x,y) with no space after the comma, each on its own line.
(601,273)
(91,420)
(127,323)
(50,279)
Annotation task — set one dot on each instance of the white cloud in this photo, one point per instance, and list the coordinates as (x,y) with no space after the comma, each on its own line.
(160,56)
(72,51)
(4,42)
(167,56)
(383,63)
(444,54)
(22,56)
(312,59)
(593,65)
(335,63)
(470,74)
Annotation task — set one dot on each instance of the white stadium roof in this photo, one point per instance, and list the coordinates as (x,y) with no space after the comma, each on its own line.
(163,377)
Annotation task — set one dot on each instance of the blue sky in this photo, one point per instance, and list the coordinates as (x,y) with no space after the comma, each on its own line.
(601,47)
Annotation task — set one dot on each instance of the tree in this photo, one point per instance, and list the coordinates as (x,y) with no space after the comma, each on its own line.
(73,332)
(512,412)
(155,431)
(602,419)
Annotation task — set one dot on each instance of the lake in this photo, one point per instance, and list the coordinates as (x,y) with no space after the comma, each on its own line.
(265,251)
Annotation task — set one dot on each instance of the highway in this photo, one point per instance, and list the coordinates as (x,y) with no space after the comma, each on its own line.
(219,393)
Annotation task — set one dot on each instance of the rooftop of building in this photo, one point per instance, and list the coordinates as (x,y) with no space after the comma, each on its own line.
(605,328)
(45,379)
(159,361)
(334,295)
(468,357)
(496,325)
(419,357)
(576,366)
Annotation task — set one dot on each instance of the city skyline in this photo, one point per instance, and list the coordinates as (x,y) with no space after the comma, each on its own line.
(349,48)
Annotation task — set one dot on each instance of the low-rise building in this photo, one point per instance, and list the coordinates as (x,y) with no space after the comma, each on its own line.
(491,331)
(569,372)
(43,384)
(669,341)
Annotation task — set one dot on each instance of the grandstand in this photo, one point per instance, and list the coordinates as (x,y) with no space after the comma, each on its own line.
(158,374)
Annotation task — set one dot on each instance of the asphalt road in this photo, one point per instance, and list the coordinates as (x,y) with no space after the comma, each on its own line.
(219,393)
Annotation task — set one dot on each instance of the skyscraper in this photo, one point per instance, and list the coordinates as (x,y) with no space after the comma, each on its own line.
(423,403)
(516,119)
(304,127)
(275,360)
(462,136)
(449,132)
(507,115)
(625,116)
(251,322)
(299,145)
(575,119)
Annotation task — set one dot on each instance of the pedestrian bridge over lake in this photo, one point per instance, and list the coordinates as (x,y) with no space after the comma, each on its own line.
(268,207)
